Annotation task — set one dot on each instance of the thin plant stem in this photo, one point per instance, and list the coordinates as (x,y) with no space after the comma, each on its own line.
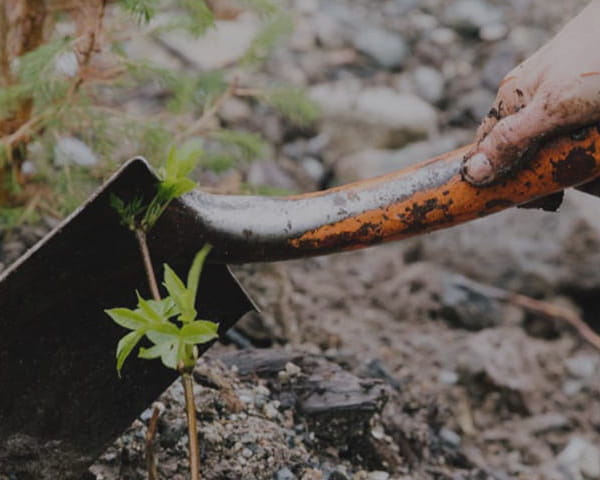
(150,456)
(190,408)
(140,235)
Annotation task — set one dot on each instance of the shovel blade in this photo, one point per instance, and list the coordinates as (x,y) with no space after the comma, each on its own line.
(61,401)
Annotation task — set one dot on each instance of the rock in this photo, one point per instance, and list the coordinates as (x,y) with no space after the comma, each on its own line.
(582,366)
(66,64)
(72,151)
(313,168)
(337,475)
(448,377)
(380,115)
(378,475)
(465,303)
(373,162)
(475,104)
(337,98)
(329,33)
(450,437)
(493,32)
(388,49)
(502,60)
(424,289)
(506,357)
(285,474)
(304,37)
(219,46)
(443,36)
(429,84)
(469,16)
(399,111)
(581,459)
(234,110)
(269,173)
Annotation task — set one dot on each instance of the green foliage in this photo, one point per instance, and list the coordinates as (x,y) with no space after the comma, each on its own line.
(294,104)
(276,27)
(194,92)
(198,17)
(171,324)
(38,76)
(143,10)
(174,182)
(265,8)
(242,145)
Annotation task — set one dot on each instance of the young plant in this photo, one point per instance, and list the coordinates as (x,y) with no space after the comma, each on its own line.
(170,324)
(174,182)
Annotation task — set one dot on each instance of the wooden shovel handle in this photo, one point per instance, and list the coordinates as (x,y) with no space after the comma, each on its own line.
(428,196)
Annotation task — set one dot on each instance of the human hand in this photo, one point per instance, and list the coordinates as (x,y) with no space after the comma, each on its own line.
(556,89)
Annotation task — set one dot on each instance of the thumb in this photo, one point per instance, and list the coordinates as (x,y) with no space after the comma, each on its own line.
(504,145)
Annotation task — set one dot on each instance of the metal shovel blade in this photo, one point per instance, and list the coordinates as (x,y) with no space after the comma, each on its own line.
(61,401)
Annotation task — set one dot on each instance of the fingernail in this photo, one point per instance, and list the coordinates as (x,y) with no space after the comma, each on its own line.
(478,168)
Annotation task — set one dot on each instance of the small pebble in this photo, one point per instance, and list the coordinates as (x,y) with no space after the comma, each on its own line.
(285,474)
(378,475)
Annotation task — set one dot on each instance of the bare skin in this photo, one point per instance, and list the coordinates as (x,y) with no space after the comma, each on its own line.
(556,89)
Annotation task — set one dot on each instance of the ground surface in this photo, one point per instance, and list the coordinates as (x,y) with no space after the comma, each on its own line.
(447,383)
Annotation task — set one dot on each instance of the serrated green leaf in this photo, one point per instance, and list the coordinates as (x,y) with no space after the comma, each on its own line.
(200,331)
(127,318)
(125,346)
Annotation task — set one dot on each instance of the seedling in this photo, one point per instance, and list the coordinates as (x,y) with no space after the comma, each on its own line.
(170,324)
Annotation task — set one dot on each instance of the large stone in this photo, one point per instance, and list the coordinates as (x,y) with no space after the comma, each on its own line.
(372,162)
(400,111)
(429,83)
(72,151)
(388,49)
(380,116)
(581,459)
(219,46)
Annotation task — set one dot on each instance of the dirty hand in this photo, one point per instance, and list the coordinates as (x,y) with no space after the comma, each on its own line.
(556,89)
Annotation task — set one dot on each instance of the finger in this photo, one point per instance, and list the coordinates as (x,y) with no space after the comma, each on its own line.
(511,99)
(504,145)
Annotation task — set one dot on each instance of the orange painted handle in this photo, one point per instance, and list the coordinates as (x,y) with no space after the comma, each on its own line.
(428,196)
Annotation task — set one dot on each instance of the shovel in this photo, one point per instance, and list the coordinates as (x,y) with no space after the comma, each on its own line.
(61,401)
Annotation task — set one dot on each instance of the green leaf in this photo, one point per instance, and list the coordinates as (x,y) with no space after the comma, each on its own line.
(162,333)
(175,287)
(165,307)
(195,270)
(147,311)
(167,351)
(200,331)
(127,318)
(125,346)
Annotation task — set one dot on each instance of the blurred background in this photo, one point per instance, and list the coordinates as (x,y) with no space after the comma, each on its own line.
(288,97)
